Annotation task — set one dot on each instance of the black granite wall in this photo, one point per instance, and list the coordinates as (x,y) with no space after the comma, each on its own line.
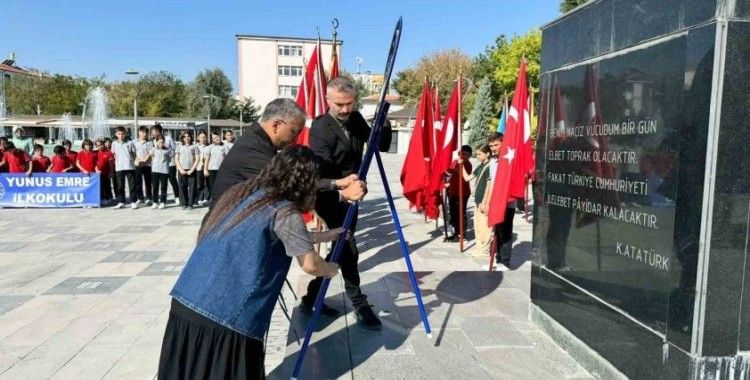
(625,108)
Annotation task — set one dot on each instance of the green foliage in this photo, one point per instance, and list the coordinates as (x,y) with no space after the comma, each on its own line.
(508,59)
(161,93)
(481,115)
(567,5)
(249,110)
(54,95)
(217,86)
(485,64)
(441,68)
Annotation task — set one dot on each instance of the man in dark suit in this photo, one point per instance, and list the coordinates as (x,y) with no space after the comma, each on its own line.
(338,139)
(280,124)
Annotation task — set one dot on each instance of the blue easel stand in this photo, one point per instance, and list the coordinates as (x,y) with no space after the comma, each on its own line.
(404,247)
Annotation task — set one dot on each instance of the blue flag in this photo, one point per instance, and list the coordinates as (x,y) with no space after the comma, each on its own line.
(502,121)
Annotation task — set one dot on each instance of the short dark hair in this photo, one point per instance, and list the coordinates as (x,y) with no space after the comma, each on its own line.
(228,131)
(38,147)
(485,149)
(143,128)
(3,139)
(67,142)
(107,139)
(59,150)
(120,129)
(466,149)
(157,127)
(85,142)
(495,136)
(8,145)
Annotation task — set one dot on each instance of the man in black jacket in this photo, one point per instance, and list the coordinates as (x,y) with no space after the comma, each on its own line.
(338,139)
(280,124)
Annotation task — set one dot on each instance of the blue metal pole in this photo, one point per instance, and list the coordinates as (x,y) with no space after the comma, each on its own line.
(404,247)
(372,147)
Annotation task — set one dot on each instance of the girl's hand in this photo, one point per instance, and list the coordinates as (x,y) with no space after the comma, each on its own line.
(332,271)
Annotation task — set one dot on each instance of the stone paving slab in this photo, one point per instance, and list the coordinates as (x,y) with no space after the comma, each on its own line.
(91,300)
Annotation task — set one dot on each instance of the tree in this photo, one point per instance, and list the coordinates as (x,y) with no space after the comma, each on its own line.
(217,86)
(53,95)
(508,59)
(161,93)
(567,5)
(249,110)
(485,64)
(442,68)
(481,115)
(120,97)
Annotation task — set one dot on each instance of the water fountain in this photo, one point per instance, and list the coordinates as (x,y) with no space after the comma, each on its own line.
(97,105)
(66,131)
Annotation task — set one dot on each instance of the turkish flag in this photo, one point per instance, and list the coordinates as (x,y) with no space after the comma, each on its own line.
(447,142)
(515,159)
(334,64)
(415,173)
(311,94)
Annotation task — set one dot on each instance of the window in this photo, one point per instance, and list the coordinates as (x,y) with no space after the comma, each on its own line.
(288,91)
(290,50)
(290,71)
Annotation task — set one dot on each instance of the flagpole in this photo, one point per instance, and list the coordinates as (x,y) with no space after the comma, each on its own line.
(460,171)
(528,175)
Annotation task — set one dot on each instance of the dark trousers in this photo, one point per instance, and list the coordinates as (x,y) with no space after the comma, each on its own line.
(159,182)
(201,190)
(557,236)
(173,181)
(120,191)
(143,182)
(504,236)
(187,189)
(105,186)
(348,263)
(211,179)
(453,205)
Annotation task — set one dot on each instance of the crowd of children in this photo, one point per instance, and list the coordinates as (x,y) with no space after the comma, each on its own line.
(146,164)
(457,180)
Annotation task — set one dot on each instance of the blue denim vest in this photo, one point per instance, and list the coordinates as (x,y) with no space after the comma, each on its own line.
(234,276)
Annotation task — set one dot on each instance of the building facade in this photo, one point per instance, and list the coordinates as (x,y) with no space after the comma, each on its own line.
(271,67)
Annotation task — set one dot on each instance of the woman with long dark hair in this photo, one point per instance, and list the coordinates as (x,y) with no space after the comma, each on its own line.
(223,300)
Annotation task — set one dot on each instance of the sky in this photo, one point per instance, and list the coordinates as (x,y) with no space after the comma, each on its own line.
(91,38)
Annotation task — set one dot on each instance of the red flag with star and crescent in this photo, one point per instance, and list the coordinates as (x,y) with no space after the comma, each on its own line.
(415,173)
(311,94)
(515,161)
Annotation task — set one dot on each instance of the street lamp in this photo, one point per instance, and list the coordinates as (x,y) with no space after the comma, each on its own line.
(208,112)
(135,101)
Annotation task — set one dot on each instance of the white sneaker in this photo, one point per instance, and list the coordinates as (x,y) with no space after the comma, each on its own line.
(119,205)
(154,206)
(201,203)
(147,202)
(135,205)
(177,201)
(161,206)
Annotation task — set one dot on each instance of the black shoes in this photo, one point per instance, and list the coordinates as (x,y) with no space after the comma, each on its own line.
(367,318)
(325,310)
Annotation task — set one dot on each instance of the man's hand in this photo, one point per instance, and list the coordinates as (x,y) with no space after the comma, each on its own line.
(346,181)
(355,191)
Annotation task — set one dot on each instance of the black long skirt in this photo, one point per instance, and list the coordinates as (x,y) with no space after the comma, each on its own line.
(195,347)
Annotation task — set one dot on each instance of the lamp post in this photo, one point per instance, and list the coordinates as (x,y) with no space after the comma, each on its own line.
(208,98)
(135,101)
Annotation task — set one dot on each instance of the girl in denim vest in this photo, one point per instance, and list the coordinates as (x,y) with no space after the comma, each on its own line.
(223,300)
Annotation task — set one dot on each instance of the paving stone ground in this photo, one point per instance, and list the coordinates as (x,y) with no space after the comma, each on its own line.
(84,294)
